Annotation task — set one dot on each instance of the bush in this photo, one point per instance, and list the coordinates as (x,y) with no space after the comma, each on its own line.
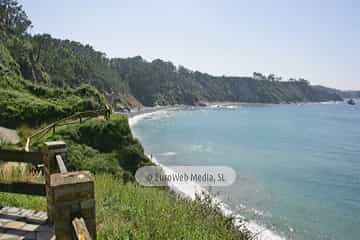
(34,105)
(106,136)
(101,147)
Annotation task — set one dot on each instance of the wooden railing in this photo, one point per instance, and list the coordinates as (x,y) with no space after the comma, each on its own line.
(77,117)
(70,195)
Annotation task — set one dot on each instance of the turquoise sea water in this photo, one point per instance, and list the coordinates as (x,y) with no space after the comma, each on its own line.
(298,166)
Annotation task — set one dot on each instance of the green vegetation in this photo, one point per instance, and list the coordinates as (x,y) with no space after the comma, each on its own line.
(148,213)
(12,172)
(162,83)
(24,102)
(101,147)
(126,210)
(33,105)
(43,79)
(28,94)
(62,64)
(343,94)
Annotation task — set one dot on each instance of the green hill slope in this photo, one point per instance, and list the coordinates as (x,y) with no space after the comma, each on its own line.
(24,102)
(162,83)
(63,64)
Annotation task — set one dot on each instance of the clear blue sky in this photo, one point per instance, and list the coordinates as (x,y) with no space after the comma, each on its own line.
(316,40)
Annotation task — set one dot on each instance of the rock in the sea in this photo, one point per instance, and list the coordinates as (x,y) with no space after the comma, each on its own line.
(351,102)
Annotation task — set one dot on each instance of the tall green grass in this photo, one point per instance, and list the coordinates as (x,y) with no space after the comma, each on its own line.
(129,211)
(14,172)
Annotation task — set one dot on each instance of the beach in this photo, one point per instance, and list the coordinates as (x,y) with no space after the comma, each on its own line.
(193,190)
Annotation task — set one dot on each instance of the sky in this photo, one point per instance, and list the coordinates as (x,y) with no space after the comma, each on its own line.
(318,40)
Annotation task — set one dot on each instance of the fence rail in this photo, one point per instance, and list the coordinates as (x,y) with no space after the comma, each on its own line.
(20,156)
(70,195)
(81,116)
(36,189)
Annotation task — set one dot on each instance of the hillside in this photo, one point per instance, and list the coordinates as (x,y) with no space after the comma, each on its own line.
(24,102)
(40,61)
(135,82)
(162,83)
(43,79)
(341,93)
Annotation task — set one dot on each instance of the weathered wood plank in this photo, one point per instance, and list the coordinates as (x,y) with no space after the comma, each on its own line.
(50,150)
(37,189)
(81,231)
(61,164)
(72,194)
(27,145)
(20,156)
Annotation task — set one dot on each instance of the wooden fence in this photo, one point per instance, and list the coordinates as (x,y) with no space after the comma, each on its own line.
(73,119)
(70,195)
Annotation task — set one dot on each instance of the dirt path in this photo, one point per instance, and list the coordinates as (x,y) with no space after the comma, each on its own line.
(8,136)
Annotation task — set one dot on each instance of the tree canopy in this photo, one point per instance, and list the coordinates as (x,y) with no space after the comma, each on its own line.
(13,18)
(53,62)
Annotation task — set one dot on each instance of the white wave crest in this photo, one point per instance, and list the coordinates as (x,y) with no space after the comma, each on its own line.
(167,154)
(137,118)
(193,190)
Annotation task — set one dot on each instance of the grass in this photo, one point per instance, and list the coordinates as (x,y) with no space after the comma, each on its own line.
(129,211)
(12,172)
(124,209)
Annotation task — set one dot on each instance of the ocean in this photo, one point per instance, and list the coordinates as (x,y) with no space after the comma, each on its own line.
(298,166)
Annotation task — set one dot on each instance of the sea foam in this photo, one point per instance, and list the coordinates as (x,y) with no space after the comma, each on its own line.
(193,190)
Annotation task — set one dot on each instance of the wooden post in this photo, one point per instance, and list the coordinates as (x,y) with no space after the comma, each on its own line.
(27,146)
(107,112)
(50,150)
(81,231)
(73,195)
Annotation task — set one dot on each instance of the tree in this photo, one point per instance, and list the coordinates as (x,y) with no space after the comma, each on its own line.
(13,18)
(302,80)
(38,41)
(271,77)
(258,76)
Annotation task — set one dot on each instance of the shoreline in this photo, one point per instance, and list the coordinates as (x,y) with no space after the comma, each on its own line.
(191,191)
(151,110)
(139,114)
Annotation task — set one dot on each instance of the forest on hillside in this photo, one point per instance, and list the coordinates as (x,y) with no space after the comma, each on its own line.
(49,63)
